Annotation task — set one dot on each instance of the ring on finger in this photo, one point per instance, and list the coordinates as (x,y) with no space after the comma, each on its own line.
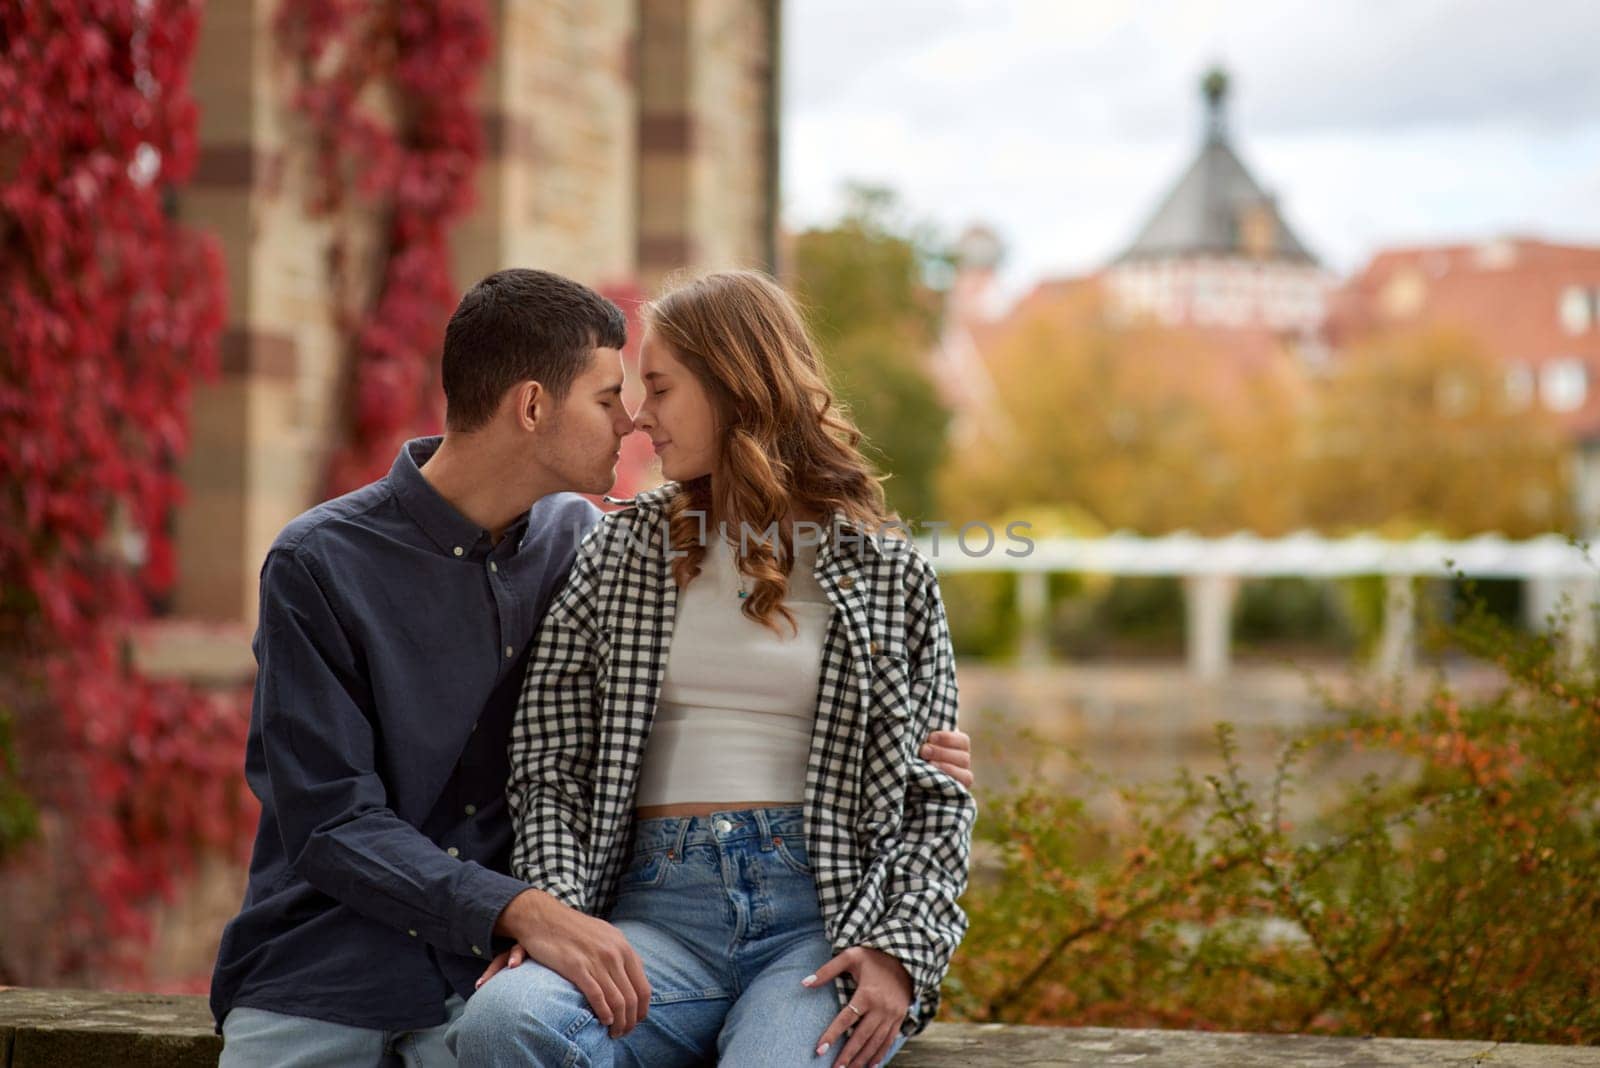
(855,1010)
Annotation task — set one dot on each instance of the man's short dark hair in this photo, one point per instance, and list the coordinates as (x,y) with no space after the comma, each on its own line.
(516,325)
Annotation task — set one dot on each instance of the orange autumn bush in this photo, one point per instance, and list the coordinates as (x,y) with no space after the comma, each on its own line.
(1456,898)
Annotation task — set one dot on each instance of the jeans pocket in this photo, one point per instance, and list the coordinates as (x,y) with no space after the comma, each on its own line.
(645,869)
(792,851)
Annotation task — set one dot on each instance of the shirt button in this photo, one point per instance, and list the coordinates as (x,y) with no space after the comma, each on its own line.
(453,851)
(472,810)
(494,568)
(412,933)
(459,551)
(847,583)
(476,952)
(874,647)
(510,652)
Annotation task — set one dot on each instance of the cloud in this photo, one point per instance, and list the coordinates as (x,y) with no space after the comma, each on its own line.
(1063,123)
(1365,67)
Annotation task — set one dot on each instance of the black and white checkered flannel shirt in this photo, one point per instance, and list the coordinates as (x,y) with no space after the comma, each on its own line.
(889,834)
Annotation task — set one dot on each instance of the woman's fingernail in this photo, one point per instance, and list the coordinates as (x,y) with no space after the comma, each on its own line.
(822,1049)
(808,980)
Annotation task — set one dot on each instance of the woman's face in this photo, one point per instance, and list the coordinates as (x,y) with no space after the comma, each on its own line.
(676,413)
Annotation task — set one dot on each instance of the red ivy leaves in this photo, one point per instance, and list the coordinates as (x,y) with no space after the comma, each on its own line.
(112,310)
(413,164)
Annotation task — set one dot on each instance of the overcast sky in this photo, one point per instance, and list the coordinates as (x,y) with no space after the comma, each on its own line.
(1062,122)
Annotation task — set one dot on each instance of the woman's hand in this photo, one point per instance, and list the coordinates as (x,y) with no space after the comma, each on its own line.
(951,752)
(883,994)
(511,958)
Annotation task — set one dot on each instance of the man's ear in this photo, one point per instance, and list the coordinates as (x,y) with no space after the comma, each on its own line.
(531,402)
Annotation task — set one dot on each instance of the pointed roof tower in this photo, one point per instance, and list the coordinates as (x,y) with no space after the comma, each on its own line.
(1217,208)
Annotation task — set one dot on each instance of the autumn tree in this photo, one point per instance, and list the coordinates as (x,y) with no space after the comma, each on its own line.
(1140,426)
(866,284)
(1418,431)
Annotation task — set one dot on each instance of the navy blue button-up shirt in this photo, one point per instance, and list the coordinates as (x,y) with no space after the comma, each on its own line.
(392,646)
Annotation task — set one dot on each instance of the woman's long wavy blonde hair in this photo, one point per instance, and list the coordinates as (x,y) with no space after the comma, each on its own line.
(783,441)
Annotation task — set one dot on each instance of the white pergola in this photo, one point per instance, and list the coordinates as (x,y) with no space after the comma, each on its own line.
(1553,567)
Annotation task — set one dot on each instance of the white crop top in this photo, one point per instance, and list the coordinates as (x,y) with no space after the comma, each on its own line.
(733,722)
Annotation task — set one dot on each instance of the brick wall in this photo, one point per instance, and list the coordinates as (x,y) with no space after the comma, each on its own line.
(626,138)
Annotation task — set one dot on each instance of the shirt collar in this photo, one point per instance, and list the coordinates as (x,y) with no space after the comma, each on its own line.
(452,532)
(647,499)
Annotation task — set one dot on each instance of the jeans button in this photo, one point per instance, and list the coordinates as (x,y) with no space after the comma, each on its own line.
(724,826)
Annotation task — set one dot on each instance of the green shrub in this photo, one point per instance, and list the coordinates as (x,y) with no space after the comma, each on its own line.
(982,608)
(1456,898)
(1291,610)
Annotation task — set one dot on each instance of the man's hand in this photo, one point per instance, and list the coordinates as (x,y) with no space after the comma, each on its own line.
(590,954)
(951,753)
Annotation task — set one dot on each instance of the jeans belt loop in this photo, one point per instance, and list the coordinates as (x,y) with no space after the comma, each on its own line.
(764,825)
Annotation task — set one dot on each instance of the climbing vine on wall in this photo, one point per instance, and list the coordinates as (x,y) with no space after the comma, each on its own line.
(386,88)
(111,312)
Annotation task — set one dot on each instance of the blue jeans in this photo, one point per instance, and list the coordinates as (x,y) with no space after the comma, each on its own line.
(256,1038)
(723,911)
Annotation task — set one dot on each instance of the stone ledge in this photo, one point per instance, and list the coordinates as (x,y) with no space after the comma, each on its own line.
(72,1028)
(68,1028)
(968,1045)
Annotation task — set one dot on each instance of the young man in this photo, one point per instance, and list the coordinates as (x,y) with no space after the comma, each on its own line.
(393,638)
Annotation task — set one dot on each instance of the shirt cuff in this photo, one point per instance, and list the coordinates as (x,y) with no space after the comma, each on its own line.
(910,946)
(481,898)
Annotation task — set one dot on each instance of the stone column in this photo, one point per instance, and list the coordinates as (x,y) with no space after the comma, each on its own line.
(1208,603)
(1578,639)
(1541,601)
(1033,611)
(1570,603)
(1397,646)
(260,434)
(557,186)
(707,135)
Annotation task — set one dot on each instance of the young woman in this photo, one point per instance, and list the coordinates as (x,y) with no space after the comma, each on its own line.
(718,743)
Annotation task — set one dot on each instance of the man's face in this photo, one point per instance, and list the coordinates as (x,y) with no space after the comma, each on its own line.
(582,441)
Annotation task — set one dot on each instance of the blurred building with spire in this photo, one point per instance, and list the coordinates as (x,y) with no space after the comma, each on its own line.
(1217,252)
(1215,261)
